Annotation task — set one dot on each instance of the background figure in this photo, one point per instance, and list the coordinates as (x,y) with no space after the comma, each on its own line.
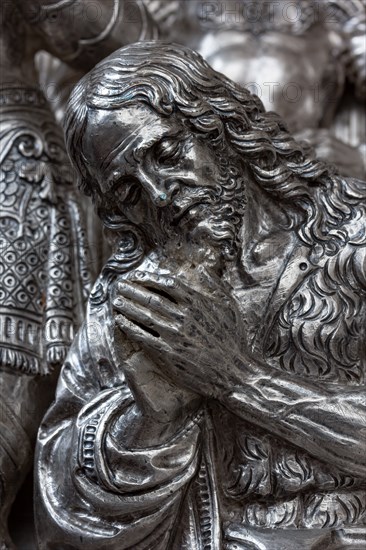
(305,59)
(45,276)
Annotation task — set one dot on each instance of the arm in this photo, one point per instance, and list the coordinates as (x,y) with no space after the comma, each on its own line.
(113,463)
(354,31)
(328,422)
(81,33)
(200,346)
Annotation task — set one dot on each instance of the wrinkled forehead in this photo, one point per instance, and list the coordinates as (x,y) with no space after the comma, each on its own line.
(114,135)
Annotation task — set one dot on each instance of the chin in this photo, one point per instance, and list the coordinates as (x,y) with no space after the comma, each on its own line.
(209,250)
(205,235)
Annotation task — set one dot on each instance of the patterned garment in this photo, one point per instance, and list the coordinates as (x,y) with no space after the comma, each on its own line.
(40,238)
(43,250)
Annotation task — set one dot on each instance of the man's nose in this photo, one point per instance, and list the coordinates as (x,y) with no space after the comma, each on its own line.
(160,190)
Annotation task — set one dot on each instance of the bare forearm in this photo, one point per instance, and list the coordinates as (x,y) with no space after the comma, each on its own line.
(325,420)
(329,424)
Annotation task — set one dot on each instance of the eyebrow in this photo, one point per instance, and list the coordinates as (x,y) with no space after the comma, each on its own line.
(170,133)
(104,165)
(139,151)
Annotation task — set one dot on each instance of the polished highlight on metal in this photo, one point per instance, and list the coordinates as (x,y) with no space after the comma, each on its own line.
(214,396)
(45,268)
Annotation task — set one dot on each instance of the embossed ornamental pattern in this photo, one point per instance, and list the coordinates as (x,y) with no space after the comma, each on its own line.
(214,396)
(44,277)
(38,233)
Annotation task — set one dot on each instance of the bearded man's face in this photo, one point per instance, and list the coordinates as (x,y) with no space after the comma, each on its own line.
(163,177)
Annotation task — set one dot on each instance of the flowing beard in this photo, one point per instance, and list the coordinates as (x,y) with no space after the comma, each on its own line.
(209,216)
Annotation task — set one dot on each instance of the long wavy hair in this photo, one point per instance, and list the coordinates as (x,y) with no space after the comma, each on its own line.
(171,78)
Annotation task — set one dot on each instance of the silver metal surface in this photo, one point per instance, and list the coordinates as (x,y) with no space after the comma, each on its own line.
(305,59)
(214,395)
(44,268)
(44,277)
(297,56)
(300,57)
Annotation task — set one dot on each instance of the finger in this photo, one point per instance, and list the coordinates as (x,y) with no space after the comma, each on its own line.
(173,287)
(145,339)
(149,298)
(142,315)
(165,285)
(134,332)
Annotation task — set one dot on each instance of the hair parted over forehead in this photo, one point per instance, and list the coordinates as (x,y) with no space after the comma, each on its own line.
(171,78)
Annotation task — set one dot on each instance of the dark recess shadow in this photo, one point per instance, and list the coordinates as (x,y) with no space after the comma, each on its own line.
(21,521)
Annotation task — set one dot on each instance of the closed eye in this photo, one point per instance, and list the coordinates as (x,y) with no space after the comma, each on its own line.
(168,151)
(127,191)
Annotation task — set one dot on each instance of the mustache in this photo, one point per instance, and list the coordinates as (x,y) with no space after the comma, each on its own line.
(213,212)
(227,187)
(189,207)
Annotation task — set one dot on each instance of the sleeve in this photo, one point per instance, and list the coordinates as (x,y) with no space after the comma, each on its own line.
(89,487)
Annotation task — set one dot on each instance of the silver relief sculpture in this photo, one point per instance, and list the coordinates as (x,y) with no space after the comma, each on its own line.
(44,277)
(81,34)
(44,269)
(306,60)
(214,395)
